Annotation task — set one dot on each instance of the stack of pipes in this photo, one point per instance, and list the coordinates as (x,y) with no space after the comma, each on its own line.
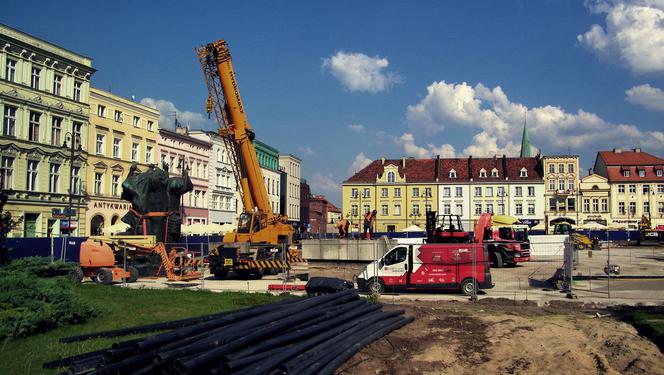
(295,336)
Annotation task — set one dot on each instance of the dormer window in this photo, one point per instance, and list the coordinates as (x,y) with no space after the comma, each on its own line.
(642,173)
(494,173)
(626,173)
(390,176)
(482,173)
(658,173)
(523,173)
(453,174)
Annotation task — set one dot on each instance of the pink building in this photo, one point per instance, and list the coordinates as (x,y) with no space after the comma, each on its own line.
(179,150)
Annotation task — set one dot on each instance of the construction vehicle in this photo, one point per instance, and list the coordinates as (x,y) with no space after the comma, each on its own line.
(259,243)
(565,226)
(649,235)
(507,242)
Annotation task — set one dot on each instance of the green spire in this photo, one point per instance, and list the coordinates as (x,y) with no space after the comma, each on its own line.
(525,142)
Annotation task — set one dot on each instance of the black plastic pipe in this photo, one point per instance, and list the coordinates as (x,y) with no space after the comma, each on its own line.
(75,358)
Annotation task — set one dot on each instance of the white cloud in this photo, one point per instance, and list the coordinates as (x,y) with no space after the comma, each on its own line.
(497,124)
(325,184)
(359,72)
(307,151)
(357,128)
(358,163)
(646,96)
(166,114)
(407,142)
(634,34)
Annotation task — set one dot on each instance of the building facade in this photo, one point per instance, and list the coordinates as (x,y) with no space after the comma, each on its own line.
(636,180)
(268,158)
(594,198)
(121,132)
(181,151)
(44,92)
(561,180)
(222,203)
(402,191)
(290,166)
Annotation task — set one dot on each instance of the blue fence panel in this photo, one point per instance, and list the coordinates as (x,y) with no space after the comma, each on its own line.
(66,248)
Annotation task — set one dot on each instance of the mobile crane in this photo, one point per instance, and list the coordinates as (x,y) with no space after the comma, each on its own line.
(257,243)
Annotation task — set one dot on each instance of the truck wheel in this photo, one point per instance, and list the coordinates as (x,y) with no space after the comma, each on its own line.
(468,287)
(498,260)
(220,274)
(258,273)
(104,276)
(376,286)
(133,274)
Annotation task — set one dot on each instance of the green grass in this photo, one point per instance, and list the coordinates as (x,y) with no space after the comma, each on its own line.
(117,308)
(651,325)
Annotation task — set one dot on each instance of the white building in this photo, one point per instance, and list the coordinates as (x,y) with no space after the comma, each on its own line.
(290,186)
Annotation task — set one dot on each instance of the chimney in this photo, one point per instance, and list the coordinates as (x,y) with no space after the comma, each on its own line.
(382,161)
(590,171)
(617,150)
(470,167)
(403,162)
(181,130)
(505,166)
(638,149)
(437,170)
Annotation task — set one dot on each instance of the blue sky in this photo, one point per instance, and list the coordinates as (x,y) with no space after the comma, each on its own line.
(339,84)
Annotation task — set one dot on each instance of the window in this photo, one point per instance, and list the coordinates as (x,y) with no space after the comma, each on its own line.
(427,208)
(101,110)
(489,192)
(34,81)
(660,189)
(151,126)
(134,152)
(353,192)
(518,191)
(552,168)
(458,192)
(116,147)
(76,180)
(595,205)
(646,208)
(531,208)
(383,192)
(586,205)
(78,136)
(632,208)
(561,168)
(501,209)
(453,174)
(501,191)
(447,209)
(660,208)
(98,183)
(570,185)
(570,168)
(10,70)
(561,184)
(646,189)
(642,173)
(77,91)
(383,210)
(632,188)
(366,208)
(478,191)
(9,122)
(489,208)
(478,208)
(367,193)
(494,172)
(523,172)
(416,210)
(148,155)
(552,184)
(416,192)
(482,173)
(621,208)
(218,178)
(397,192)
(53,178)
(531,191)
(459,209)
(395,256)
(99,148)
(397,210)
(56,131)
(136,121)
(626,173)
(353,210)
(427,192)
(57,84)
(390,176)
(571,204)
(7,172)
(31,183)
(447,191)
(553,205)
(519,209)
(658,173)
(621,188)
(605,205)
(118,116)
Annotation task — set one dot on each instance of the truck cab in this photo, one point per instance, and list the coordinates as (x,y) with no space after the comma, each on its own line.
(508,244)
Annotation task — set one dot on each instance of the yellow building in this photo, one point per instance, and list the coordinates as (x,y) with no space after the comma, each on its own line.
(121,132)
(595,195)
(400,191)
(561,183)
(43,102)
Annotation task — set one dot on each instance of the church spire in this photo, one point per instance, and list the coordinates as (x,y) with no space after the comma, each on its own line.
(525,142)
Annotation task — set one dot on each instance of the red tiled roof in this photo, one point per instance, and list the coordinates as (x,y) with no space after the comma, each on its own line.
(460,166)
(629,158)
(615,174)
(332,208)
(420,170)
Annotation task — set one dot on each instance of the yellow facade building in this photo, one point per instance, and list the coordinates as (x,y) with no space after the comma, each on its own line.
(122,132)
(561,182)
(595,197)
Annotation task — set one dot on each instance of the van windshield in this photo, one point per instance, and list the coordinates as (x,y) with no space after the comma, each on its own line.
(395,256)
(521,234)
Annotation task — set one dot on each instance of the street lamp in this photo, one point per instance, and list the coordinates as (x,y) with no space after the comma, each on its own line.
(74,145)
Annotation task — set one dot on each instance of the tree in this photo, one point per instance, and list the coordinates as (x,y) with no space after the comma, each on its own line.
(7,224)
